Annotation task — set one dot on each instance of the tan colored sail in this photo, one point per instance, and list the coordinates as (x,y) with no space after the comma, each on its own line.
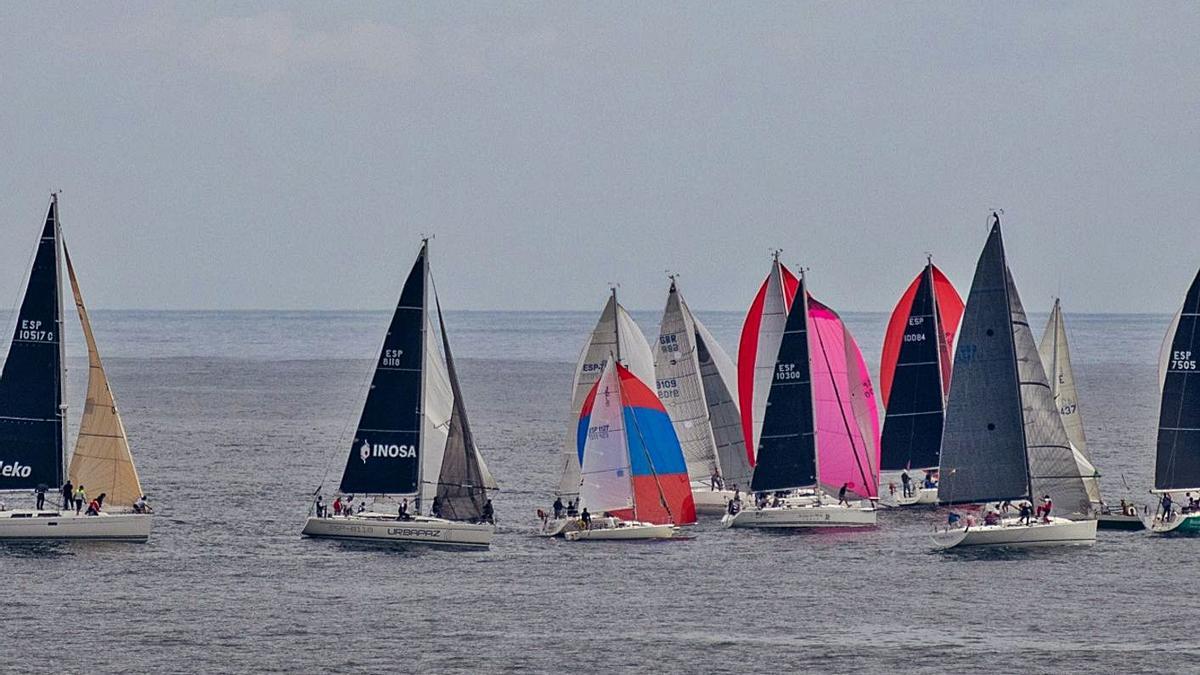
(102,461)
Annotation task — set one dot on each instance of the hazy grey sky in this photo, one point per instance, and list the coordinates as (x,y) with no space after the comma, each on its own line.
(261,155)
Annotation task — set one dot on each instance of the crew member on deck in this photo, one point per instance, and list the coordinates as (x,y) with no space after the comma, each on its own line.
(715,480)
(1168,507)
(68,495)
(96,505)
(842,494)
(558,508)
(906,482)
(586,518)
(40,491)
(140,506)
(403,514)
(489,512)
(80,497)
(436,508)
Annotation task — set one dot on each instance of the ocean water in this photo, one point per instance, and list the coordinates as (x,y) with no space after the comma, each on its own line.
(236,418)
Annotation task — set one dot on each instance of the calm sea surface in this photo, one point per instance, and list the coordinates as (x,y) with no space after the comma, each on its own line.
(236,417)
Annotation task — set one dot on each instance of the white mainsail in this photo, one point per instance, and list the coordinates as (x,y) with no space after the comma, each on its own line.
(615,333)
(680,388)
(606,478)
(102,460)
(719,375)
(1056,357)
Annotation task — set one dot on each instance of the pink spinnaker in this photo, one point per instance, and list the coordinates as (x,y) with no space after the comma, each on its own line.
(844,405)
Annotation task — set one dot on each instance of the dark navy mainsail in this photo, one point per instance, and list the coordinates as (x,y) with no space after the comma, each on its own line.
(385,456)
(912,427)
(1177,464)
(31,415)
(787,449)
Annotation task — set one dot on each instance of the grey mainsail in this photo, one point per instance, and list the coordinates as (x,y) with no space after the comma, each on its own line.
(983,440)
(1003,438)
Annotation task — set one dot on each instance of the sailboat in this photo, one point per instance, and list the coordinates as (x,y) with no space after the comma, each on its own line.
(1056,357)
(413,440)
(819,431)
(33,417)
(697,384)
(633,472)
(1003,439)
(1177,459)
(615,336)
(914,377)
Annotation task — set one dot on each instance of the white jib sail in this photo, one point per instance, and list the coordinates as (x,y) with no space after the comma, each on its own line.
(1056,358)
(438,407)
(1052,466)
(102,460)
(606,478)
(615,333)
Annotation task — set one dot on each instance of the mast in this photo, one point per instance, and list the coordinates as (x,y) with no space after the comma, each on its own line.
(1016,370)
(424,373)
(938,336)
(616,322)
(62,343)
(802,292)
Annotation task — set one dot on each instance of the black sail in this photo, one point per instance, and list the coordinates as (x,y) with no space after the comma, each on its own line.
(983,443)
(1177,464)
(912,427)
(31,415)
(385,456)
(461,492)
(787,450)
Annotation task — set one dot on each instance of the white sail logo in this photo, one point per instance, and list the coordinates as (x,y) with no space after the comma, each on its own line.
(367,450)
(14,470)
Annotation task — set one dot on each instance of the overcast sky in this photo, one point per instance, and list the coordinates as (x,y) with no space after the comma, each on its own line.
(250,155)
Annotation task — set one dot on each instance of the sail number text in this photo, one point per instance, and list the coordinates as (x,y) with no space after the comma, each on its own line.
(391,358)
(668,343)
(787,371)
(1182,360)
(667,388)
(32,330)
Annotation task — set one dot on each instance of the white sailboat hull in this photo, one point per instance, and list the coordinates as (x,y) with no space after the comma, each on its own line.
(55,525)
(419,530)
(708,501)
(558,527)
(794,515)
(613,530)
(1010,533)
